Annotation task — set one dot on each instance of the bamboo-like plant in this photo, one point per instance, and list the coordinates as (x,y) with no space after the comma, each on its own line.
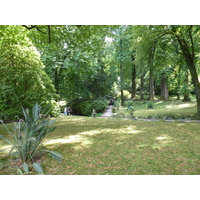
(27,136)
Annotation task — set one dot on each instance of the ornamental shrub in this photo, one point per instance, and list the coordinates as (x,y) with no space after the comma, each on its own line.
(84,106)
(74,104)
(27,136)
(99,104)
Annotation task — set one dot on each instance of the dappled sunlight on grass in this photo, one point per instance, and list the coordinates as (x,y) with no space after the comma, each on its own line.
(82,141)
(64,119)
(4,149)
(117,146)
(181,124)
(161,138)
(76,120)
(68,139)
(159,143)
(90,132)
(159,102)
(162,141)
(132,130)
(124,130)
(184,105)
(174,109)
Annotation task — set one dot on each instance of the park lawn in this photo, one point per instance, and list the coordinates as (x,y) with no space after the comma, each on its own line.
(107,146)
(175,109)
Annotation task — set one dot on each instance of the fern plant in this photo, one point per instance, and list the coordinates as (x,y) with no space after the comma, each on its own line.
(27,136)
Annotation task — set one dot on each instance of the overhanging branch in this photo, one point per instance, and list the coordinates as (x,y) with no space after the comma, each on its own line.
(33,26)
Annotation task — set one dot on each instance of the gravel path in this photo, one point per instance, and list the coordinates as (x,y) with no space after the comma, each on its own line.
(107,112)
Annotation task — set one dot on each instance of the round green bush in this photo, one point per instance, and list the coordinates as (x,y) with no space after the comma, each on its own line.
(77,105)
(84,106)
(99,104)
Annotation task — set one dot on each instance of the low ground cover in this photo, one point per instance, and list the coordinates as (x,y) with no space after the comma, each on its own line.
(169,109)
(118,146)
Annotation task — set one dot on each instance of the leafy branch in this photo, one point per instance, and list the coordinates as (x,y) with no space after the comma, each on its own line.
(33,26)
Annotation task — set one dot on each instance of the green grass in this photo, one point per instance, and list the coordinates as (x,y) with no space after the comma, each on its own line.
(175,109)
(117,146)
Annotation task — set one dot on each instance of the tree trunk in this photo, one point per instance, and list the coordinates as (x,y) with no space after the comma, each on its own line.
(186,80)
(142,86)
(133,93)
(151,85)
(151,79)
(164,89)
(121,84)
(121,76)
(189,57)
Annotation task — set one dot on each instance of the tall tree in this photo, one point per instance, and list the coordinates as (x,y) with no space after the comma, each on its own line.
(186,36)
(123,56)
(23,80)
(133,78)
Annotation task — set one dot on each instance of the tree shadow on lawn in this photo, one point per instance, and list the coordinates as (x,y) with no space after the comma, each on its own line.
(121,147)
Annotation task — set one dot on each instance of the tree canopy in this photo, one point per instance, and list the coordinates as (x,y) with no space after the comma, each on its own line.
(23,79)
(60,62)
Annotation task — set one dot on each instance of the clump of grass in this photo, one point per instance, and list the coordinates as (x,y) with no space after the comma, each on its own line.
(149,105)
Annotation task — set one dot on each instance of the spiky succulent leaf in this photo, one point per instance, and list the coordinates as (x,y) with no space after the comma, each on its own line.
(38,168)
(55,155)
(25,167)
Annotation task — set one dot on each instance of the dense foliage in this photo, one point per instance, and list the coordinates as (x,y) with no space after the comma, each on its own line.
(85,106)
(23,80)
(42,63)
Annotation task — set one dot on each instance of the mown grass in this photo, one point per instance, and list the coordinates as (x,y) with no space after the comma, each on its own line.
(174,108)
(118,147)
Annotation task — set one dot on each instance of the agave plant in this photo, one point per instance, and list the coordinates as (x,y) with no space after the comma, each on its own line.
(27,136)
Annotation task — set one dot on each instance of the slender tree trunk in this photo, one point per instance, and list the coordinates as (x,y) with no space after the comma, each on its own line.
(151,85)
(133,92)
(178,85)
(151,78)
(142,86)
(121,75)
(164,89)
(122,84)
